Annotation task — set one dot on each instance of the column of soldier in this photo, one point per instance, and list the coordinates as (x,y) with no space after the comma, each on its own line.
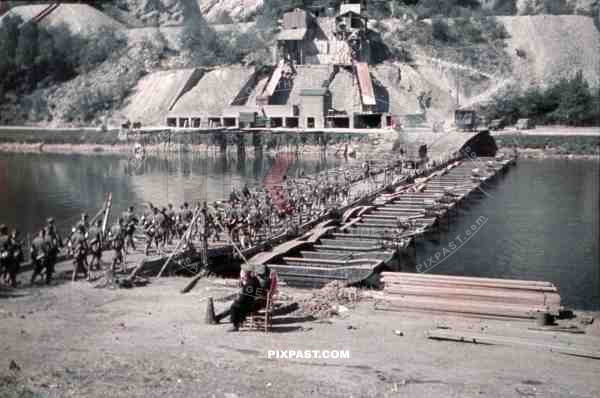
(248,217)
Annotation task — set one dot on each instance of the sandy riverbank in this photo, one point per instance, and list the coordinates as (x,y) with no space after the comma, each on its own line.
(72,340)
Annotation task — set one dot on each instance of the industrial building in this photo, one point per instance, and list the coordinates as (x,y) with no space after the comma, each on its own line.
(319,79)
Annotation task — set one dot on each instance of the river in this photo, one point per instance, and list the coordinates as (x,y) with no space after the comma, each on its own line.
(541,219)
(34,187)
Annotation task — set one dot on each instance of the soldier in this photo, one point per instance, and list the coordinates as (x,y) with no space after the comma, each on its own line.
(130,220)
(150,231)
(4,250)
(16,257)
(95,243)
(39,256)
(217,224)
(84,222)
(80,249)
(187,214)
(54,243)
(171,223)
(179,225)
(116,237)
(161,222)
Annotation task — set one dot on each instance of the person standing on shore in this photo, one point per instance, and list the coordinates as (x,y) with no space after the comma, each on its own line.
(39,256)
(130,220)
(149,231)
(4,251)
(96,240)
(15,258)
(116,238)
(80,249)
(54,243)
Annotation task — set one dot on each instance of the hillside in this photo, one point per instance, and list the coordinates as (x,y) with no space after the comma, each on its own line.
(81,19)
(550,47)
(223,11)
(562,44)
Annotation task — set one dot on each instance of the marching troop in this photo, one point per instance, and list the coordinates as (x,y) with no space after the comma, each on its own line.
(248,217)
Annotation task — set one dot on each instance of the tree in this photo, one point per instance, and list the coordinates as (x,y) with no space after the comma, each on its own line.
(99,47)
(575,102)
(26,50)
(440,30)
(9,36)
(201,40)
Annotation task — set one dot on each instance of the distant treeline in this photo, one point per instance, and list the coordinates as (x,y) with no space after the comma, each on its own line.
(562,144)
(569,101)
(33,56)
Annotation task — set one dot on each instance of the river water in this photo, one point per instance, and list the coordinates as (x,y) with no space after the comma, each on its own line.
(539,221)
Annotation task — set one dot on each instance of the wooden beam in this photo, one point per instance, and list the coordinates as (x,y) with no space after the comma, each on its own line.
(477,338)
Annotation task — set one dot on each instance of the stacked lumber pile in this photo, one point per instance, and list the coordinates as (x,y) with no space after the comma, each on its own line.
(485,297)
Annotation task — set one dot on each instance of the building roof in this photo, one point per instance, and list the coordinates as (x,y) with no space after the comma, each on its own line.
(292,34)
(365,83)
(356,8)
(341,14)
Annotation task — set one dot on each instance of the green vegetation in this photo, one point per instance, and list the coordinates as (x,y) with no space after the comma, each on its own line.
(437,8)
(570,101)
(208,48)
(33,57)
(556,7)
(563,145)
(475,41)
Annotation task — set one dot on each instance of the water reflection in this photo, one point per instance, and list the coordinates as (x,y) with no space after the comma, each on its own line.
(34,187)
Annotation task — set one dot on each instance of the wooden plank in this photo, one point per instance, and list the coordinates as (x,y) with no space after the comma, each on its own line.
(478,338)
(403,275)
(417,282)
(478,294)
(465,306)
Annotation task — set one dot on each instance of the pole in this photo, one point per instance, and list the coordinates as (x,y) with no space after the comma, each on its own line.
(457,88)
(186,236)
(106,213)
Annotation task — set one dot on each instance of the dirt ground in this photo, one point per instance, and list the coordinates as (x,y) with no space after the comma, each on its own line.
(74,340)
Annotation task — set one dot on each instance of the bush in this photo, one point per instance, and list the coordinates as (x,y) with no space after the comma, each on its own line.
(99,47)
(441,31)
(569,101)
(203,43)
(446,8)
(556,7)
(33,56)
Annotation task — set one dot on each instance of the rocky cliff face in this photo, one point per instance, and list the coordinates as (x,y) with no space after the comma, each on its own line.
(175,12)
(223,11)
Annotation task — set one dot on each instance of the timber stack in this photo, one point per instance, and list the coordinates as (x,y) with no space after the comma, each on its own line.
(467,296)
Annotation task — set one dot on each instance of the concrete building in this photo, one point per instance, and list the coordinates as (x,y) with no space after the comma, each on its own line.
(315,102)
(320,79)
